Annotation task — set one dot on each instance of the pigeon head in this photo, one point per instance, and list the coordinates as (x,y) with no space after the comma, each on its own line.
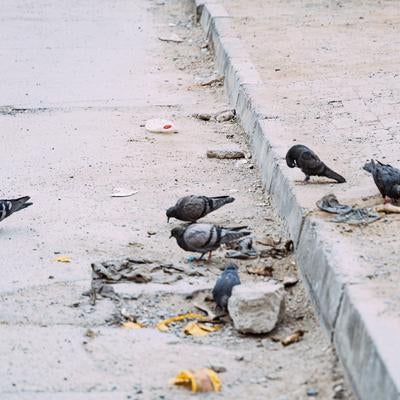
(171,213)
(177,232)
(231,267)
(369,166)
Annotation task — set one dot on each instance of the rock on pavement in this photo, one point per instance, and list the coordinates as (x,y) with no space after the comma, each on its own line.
(256,308)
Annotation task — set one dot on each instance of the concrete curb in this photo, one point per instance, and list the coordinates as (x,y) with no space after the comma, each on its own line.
(366,344)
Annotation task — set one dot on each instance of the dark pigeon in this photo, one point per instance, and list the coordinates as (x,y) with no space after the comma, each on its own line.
(386,178)
(205,238)
(224,285)
(192,208)
(302,157)
(8,207)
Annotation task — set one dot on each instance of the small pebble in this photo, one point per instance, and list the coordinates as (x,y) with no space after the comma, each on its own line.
(312,392)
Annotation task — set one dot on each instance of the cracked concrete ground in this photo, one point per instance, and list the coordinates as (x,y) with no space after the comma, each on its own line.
(80,80)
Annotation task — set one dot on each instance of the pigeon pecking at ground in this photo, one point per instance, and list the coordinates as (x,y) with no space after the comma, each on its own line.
(205,238)
(192,208)
(8,207)
(304,158)
(386,178)
(224,285)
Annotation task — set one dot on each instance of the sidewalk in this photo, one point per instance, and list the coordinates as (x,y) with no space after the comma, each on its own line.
(325,74)
(81,78)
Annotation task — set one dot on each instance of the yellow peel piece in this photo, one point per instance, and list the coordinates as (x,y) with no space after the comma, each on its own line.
(163,325)
(202,380)
(216,382)
(132,325)
(63,259)
(185,378)
(197,329)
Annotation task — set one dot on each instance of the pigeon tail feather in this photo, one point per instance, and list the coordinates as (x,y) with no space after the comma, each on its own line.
(333,175)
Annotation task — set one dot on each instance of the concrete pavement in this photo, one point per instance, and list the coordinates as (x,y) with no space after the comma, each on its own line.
(79,81)
(323,74)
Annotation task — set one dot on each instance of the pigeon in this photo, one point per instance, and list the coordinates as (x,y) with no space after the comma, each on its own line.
(304,158)
(205,238)
(386,178)
(192,208)
(8,207)
(224,285)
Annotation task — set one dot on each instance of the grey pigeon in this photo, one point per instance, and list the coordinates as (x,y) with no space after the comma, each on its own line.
(8,207)
(205,238)
(224,285)
(192,208)
(386,178)
(302,157)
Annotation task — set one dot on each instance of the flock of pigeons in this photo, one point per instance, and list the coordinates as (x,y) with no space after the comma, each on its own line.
(206,237)
(386,177)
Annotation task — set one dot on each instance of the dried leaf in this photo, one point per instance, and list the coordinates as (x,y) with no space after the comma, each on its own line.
(194,328)
(263,270)
(163,325)
(132,325)
(293,338)
(202,380)
(63,259)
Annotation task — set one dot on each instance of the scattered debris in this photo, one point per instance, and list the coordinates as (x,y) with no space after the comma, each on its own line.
(312,392)
(163,325)
(226,115)
(219,369)
(202,380)
(90,333)
(289,281)
(221,116)
(278,252)
(262,270)
(256,307)
(123,192)
(230,152)
(358,216)
(217,81)
(173,37)
(243,250)
(330,204)
(293,338)
(63,259)
(203,116)
(131,325)
(134,270)
(387,208)
(211,315)
(269,241)
(194,328)
(160,126)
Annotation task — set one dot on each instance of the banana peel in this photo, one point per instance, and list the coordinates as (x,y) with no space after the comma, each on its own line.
(202,380)
(194,328)
(163,325)
(132,325)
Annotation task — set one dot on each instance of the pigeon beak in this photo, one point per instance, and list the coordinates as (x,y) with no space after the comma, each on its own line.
(170,236)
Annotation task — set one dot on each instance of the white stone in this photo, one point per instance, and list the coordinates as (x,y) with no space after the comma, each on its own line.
(256,307)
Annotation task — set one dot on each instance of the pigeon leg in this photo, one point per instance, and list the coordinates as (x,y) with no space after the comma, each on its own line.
(386,200)
(201,257)
(307,178)
(209,256)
